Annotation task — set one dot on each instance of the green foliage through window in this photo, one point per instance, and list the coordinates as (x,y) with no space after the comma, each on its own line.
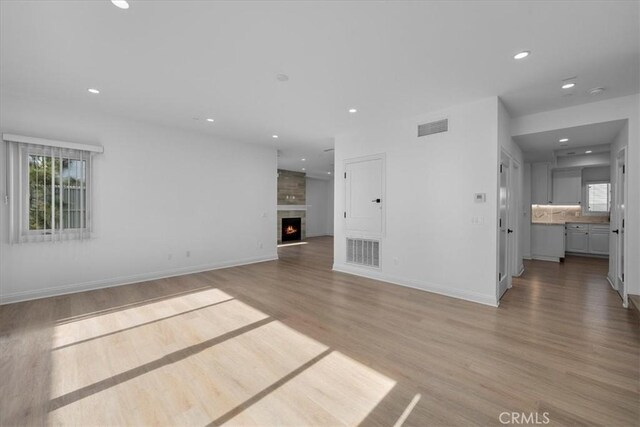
(57,193)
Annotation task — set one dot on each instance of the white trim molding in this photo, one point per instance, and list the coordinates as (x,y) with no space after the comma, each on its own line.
(127,280)
(489,300)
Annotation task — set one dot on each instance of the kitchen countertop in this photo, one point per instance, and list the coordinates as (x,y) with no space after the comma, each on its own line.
(571,221)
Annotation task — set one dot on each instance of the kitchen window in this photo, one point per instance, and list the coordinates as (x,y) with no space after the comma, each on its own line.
(598,197)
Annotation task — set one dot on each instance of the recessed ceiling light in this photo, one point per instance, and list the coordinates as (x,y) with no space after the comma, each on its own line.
(328,173)
(596,91)
(521,55)
(563,140)
(568,85)
(588,152)
(274,136)
(210,120)
(94,91)
(122,4)
(282,77)
(353,110)
(304,169)
(303,159)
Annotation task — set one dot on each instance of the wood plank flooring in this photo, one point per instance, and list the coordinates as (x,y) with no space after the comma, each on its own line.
(290,342)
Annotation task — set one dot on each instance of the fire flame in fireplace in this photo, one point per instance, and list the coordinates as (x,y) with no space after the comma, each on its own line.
(290,229)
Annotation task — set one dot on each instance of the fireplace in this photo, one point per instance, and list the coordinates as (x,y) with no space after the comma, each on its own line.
(291,229)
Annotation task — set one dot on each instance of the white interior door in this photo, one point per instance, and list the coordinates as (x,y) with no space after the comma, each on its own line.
(513,202)
(504,276)
(364,186)
(618,229)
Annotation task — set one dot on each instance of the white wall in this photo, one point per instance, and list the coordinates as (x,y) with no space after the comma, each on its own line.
(158,192)
(431,242)
(330,207)
(626,107)
(320,207)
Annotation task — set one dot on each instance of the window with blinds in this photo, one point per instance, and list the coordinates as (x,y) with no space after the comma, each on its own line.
(49,189)
(599,197)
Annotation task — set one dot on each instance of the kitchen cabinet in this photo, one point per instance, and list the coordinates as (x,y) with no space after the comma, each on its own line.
(541,183)
(567,187)
(547,242)
(588,239)
(599,239)
(577,238)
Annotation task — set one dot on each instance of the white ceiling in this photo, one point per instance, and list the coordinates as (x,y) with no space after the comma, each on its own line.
(169,61)
(541,145)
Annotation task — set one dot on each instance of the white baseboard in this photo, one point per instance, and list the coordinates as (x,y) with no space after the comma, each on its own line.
(126,280)
(610,282)
(521,271)
(546,258)
(526,257)
(418,284)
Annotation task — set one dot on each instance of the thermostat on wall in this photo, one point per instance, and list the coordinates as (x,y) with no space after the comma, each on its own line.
(480,197)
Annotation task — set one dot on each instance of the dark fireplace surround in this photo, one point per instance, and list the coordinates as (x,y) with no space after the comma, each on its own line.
(291,229)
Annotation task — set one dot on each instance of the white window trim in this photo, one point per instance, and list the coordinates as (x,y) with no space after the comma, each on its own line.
(17,186)
(585,197)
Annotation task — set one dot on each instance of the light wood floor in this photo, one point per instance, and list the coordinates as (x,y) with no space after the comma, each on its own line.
(291,343)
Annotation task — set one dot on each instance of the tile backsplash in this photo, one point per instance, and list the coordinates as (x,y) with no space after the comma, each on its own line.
(555,214)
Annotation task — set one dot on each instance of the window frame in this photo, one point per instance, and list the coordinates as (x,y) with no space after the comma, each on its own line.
(585,206)
(70,154)
(18,149)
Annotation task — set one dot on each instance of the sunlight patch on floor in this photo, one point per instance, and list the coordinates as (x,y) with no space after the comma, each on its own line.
(196,389)
(101,324)
(89,362)
(336,390)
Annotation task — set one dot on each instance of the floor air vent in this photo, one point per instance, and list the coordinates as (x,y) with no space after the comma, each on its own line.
(433,127)
(363,252)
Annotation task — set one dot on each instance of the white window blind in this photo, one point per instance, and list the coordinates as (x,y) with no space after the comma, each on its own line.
(598,197)
(49,189)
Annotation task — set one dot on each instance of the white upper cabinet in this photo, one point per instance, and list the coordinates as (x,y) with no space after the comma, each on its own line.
(567,187)
(540,183)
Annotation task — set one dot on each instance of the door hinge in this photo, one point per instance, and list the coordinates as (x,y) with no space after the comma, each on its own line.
(500,222)
(500,168)
(345,214)
(499,276)
(345,175)
(622,222)
(622,277)
(624,168)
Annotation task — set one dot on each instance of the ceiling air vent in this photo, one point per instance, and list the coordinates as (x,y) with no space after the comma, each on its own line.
(433,127)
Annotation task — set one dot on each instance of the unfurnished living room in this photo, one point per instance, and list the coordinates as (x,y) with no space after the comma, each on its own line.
(319,213)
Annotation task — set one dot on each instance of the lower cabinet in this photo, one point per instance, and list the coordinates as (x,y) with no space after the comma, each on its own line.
(599,240)
(547,242)
(577,238)
(588,239)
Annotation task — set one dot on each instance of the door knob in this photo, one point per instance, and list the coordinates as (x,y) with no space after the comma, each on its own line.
(509,230)
(615,231)
(376,200)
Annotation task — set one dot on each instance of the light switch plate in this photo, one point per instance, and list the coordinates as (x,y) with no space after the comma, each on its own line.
(480,197)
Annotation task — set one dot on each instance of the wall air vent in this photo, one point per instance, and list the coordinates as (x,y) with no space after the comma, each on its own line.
(433,127)
(363,252)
